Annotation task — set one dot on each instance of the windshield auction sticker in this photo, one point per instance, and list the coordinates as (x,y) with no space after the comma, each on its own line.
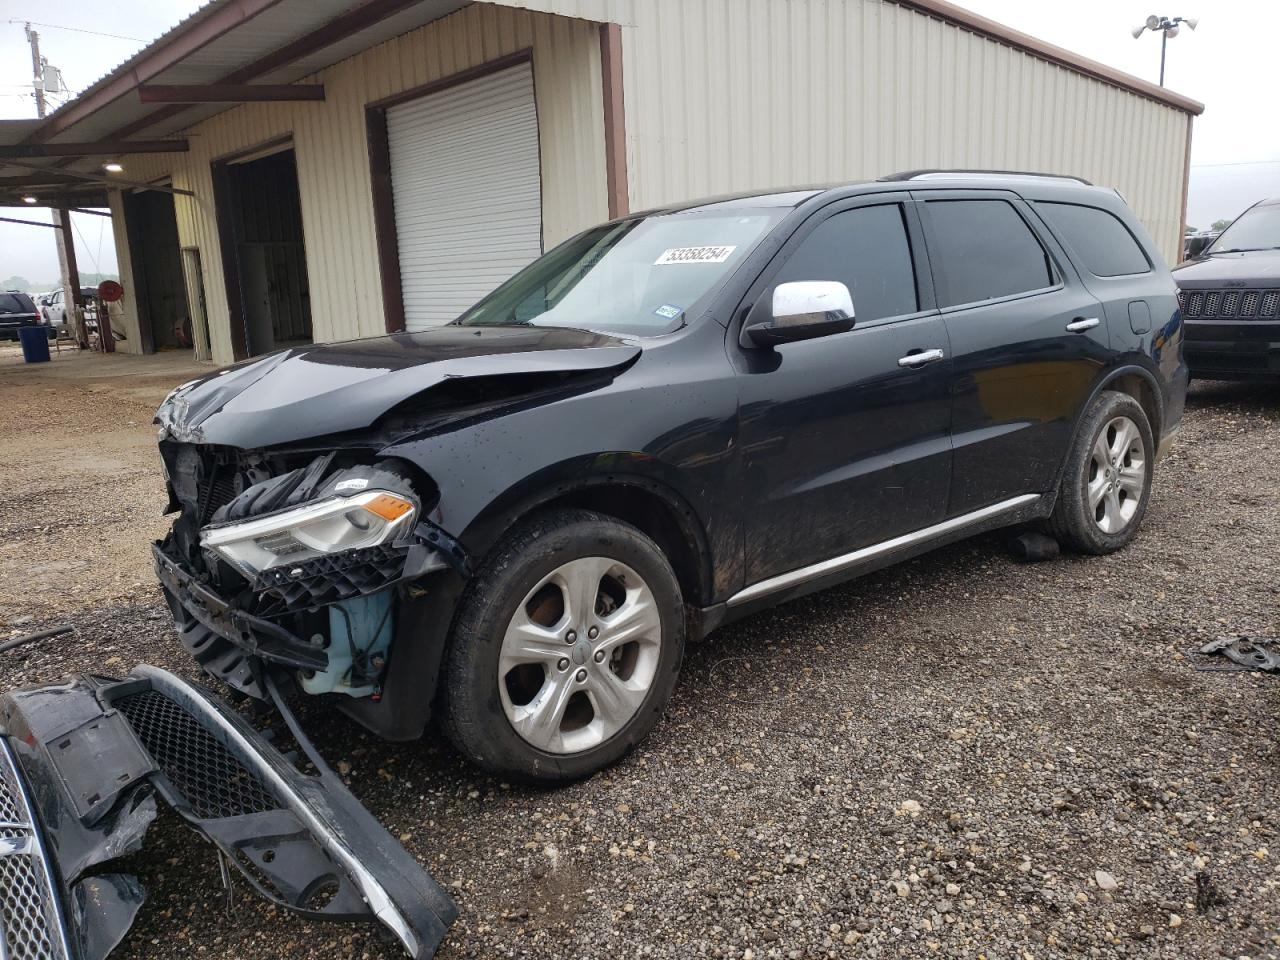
(695,255)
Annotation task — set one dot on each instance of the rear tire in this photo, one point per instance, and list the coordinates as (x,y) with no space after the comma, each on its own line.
(542,684)
(1107,481)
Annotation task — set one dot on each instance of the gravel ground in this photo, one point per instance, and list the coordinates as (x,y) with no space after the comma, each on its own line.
(81,492)
(962,756)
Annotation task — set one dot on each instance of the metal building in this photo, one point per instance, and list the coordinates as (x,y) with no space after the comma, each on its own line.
(302,170)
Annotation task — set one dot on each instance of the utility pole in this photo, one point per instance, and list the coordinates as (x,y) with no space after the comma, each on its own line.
(37,70)
(68,274)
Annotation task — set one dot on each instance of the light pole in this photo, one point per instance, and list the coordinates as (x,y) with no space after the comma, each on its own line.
(1167,27)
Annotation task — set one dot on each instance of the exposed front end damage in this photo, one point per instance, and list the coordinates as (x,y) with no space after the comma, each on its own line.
(310,541)
(307,565)
(81,765)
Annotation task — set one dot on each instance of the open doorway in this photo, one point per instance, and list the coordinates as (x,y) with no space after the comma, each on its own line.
(264,257)
(164,320)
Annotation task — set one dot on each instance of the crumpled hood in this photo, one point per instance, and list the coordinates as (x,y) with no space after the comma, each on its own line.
(1257,269)
(323,389)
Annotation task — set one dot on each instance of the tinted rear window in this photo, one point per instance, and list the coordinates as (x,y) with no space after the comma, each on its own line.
(1098,238)
(16,303)
(984,250)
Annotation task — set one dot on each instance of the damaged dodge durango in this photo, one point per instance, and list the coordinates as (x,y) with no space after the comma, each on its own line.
(514,522)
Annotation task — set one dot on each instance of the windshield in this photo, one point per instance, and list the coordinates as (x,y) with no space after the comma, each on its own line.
(636,277)
(1258,228)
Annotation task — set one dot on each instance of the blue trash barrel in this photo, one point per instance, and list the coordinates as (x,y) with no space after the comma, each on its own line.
(35,344)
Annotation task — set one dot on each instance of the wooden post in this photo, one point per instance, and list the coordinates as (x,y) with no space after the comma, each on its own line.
(71,282)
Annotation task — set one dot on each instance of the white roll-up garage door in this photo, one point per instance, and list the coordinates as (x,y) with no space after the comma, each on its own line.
(466,177)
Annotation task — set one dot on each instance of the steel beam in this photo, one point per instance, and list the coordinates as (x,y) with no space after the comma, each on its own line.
(99,148)
(104,180)
(229,92)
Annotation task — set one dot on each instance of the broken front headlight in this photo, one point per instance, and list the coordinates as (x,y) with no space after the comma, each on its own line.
(332,525)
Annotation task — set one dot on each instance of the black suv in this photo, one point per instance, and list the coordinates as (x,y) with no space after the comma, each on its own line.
(669,421)
(17,310)
(1230,298)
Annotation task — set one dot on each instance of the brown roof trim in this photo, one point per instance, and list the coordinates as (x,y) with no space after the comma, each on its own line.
(365,15)
(199,30)
(998,32)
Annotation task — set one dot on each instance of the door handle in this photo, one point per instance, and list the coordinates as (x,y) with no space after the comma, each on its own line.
(1081,324)
(919,359)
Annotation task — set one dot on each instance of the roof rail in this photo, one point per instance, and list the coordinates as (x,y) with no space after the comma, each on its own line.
(921,174)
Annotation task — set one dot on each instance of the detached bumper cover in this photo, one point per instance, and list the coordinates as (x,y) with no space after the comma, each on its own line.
(80,766)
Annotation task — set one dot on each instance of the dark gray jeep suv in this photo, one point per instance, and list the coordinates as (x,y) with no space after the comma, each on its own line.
(668,422)
(1230,297)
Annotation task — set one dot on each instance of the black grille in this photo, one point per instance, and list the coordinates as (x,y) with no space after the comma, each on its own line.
(214,783)
(1230,304)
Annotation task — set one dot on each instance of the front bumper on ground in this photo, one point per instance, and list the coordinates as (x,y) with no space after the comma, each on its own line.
(80,765)
(1233,350)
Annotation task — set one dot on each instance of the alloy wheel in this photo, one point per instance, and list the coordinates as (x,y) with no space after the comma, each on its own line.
(1117,475)
(579,655)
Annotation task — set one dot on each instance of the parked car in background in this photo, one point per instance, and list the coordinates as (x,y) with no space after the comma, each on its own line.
(17,310)
(668,422)
(1195,244)
(54,311)
(1230,297)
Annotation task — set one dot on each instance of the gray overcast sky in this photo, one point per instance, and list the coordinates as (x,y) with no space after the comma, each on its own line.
(1227,63)
(83,58)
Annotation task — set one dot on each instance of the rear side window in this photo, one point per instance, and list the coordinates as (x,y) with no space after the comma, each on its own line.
(16,303)
(1101,241)
(984,250)
(866,249)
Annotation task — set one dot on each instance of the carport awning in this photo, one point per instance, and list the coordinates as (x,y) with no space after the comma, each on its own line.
(228,52)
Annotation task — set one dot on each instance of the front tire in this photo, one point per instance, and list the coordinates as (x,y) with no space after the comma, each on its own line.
(565,650)
(1107,481)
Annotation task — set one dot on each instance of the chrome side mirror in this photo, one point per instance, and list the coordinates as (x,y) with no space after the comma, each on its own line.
(801,310)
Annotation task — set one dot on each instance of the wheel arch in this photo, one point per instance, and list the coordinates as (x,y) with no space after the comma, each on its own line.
(652,506)
(1133,379)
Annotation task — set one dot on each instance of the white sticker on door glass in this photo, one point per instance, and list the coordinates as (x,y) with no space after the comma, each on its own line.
(695,255)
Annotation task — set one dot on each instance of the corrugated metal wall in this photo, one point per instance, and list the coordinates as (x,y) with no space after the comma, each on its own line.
(721,95)
(333,162)
(725,95)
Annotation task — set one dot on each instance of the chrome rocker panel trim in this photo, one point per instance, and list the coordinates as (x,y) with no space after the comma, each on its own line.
(847,561)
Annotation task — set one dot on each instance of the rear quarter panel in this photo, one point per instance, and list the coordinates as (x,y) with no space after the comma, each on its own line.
(1151,344)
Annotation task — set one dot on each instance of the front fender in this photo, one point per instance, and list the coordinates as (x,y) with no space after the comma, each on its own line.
(641,475)
(670,425)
